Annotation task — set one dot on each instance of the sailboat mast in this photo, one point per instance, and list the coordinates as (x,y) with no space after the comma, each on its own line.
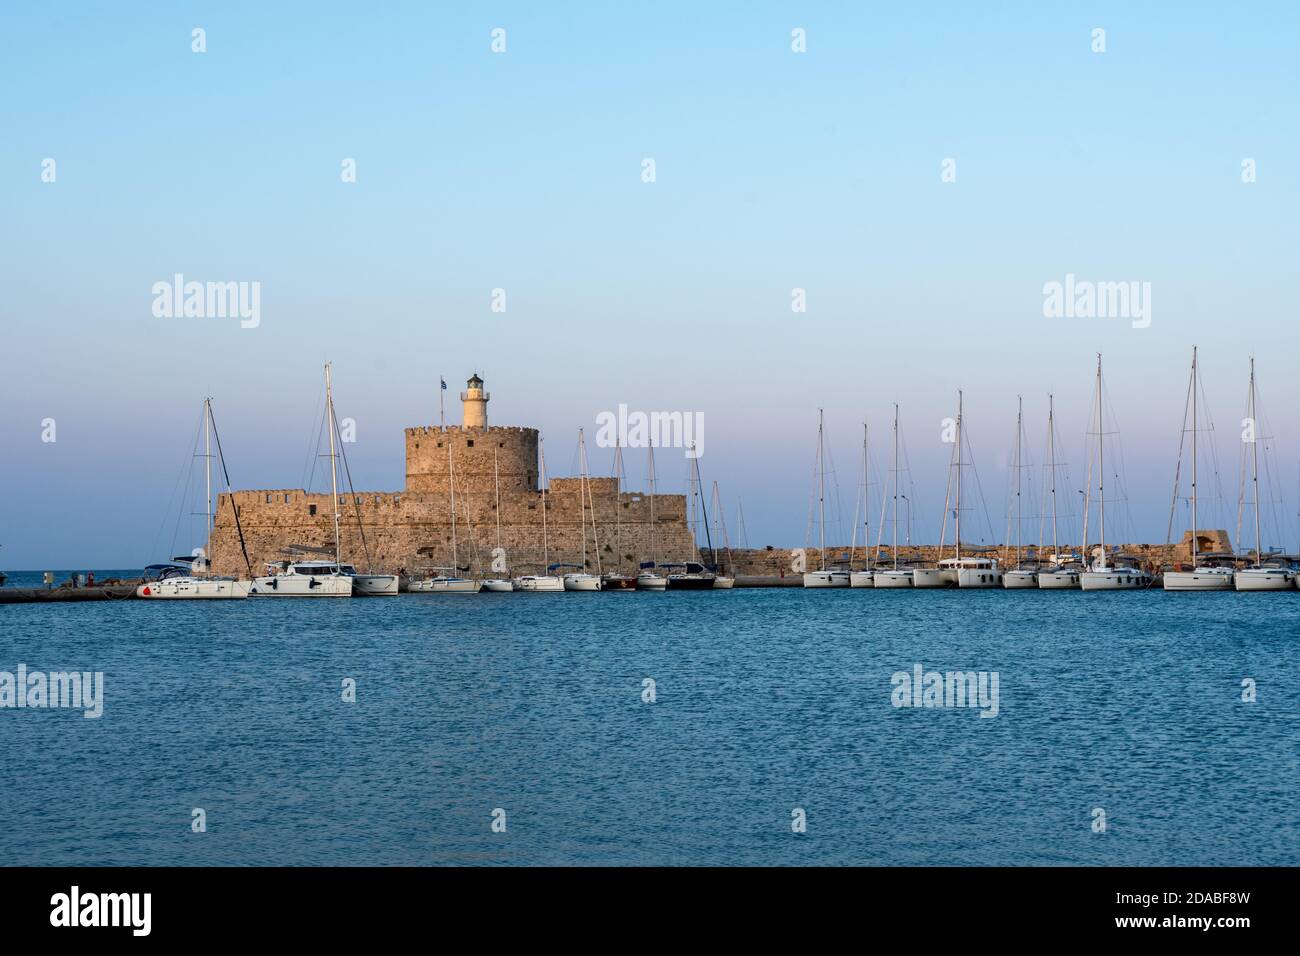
(1254,463)
(582,503)
(546,546)
(654,555)
(1101,464)
(207,457)
(821,489)
(866,509)
(451,486)
(1194,549)
(895,486)
(958,516)
(1020,412)
(334,471)
(618,504)
(1051,445)
(496,483)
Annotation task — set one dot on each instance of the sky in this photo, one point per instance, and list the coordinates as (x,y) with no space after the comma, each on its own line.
(826,171)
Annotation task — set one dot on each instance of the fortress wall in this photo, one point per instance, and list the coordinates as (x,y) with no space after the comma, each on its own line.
(409,530)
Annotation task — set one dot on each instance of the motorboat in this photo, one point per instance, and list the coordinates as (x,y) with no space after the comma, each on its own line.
(651,580)
(693,576)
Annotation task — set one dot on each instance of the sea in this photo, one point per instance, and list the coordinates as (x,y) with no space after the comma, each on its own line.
(743,727)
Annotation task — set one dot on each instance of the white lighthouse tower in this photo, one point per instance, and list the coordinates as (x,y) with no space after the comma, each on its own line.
(475,400)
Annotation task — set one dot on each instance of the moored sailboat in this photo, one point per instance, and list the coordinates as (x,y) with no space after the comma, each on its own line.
(1061,573)
(892,577)
(615,579)
(1021,575)
(648,577)
(1259,576)
(864,576)
(581,579)
(448,580)
(1102,574)
(824,577)
(503,583)
(546,581)
(190,578)
(1210,574)
(311,578)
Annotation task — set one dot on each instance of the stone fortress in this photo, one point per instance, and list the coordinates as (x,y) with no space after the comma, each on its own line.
(411,529)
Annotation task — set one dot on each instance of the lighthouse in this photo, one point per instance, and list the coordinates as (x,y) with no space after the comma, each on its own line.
(475,400)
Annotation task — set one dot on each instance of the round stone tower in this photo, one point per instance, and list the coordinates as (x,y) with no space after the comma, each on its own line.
(474,453)
(475,400)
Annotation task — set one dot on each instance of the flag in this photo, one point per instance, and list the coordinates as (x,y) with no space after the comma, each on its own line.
(444,384)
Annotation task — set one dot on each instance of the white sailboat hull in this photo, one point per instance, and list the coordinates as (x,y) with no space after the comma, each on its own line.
(498,585)
(1058,580)
(1263,579)
(892,579)
(1199,580)
(826,579)
(581,582)
(723,584)
(374,585)
(446,586)
(862,579)
(930,578)
(1114,579)
(1020,579)
(979,578)
(302,585)
(174,589)
(651,582)
(538,582)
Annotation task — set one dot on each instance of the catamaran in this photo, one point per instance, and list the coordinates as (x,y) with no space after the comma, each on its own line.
(1259,576)
(1060,574)
(823,577)
(189,578)
(1204,576)
(1102,575)
(546,581)
(311,578)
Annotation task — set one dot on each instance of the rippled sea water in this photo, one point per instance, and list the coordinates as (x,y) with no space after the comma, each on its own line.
(766,701)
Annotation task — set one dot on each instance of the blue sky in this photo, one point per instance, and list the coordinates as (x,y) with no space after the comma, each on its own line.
(522,171)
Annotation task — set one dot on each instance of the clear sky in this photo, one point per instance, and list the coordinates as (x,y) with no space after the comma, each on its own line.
(522,171)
